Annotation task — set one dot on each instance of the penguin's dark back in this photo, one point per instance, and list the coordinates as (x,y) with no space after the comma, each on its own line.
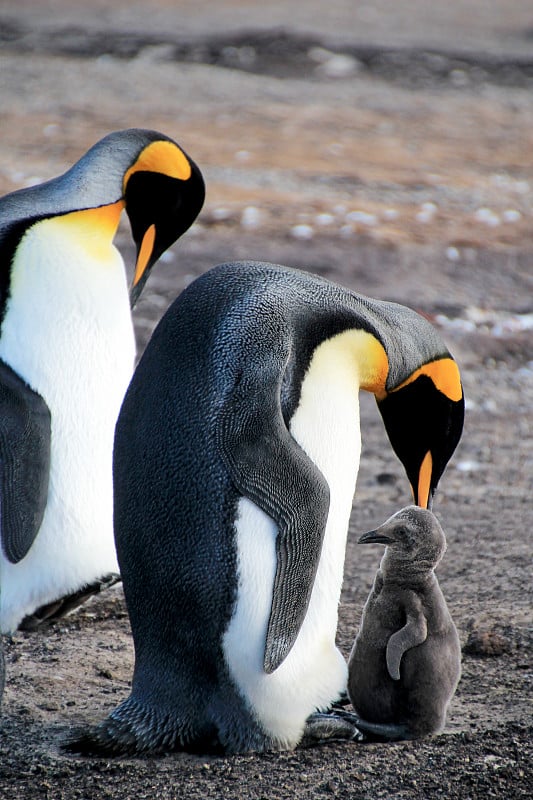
(249,299)
(174,504)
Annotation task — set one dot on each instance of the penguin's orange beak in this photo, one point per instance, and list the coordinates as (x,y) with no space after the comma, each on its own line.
(423,496)
(144,256)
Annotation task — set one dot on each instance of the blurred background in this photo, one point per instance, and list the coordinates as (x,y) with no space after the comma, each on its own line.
(387,143)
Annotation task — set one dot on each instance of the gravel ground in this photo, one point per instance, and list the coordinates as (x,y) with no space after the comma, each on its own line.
(388,147)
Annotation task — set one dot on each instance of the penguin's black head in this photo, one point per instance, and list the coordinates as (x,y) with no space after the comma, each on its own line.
(163,192)
(424,421)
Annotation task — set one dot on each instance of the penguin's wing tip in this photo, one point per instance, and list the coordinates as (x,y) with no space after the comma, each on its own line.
(413,633)
(25,434)
(275,653)
(298,549)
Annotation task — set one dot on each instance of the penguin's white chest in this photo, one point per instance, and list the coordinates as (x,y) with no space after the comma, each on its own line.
(67,332)
(326,425)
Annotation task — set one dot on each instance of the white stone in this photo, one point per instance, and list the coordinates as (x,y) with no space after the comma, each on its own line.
(511,215)
(251,217)
(302,232)
(324,219)
(362,217)
(452,254)
(390,214)
(338,66)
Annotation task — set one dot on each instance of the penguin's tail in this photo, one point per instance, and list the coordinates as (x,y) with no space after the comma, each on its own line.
(96,742)
(130,730)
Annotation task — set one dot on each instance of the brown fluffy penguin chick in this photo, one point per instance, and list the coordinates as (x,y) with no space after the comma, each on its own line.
(406,660)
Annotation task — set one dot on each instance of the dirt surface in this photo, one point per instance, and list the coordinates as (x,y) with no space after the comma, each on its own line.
(389,147)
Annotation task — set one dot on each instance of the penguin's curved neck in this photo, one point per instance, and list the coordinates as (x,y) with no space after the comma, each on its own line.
(364,351)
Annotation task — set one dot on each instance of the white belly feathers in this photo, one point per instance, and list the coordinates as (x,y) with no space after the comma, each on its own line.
(326,425)
(67,332)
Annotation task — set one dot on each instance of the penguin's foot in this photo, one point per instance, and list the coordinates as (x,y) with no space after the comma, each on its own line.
(379,731)
(130,730)
(329,727)
(385,731)
(343,701)
(47,614)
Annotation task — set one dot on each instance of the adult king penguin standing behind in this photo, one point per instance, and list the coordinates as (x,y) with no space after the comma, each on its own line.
(236,456)
(67,354)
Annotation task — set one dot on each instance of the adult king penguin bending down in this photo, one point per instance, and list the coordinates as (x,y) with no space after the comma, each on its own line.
(236,457)
(66,357)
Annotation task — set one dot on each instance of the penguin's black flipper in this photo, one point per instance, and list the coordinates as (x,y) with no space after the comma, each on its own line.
(45,615)
(270,468)
(25,432)
(413,633)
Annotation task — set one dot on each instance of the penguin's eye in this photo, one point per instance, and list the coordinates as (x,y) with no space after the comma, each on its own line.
(405,537)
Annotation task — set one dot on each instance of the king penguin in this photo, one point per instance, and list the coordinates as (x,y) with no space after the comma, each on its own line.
(406,660)
(67,353)
(236,456)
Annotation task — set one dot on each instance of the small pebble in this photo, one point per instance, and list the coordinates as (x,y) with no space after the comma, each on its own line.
(467,466)
(304,232)
(511,215)
(338,66)
(427,212)
(522,187)
(251,217)
(452,254)
(500,179)
(390,214)
(221,213)
(51,129)
(346,231)
(487,217)
(363,217)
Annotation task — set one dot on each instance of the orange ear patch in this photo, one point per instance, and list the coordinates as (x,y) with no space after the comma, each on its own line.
(445,375)
(164,157)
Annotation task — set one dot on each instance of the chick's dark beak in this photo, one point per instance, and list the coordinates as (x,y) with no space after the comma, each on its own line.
(374,537)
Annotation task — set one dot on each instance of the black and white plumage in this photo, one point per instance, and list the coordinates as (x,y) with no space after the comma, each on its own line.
(67,354)
(236,456)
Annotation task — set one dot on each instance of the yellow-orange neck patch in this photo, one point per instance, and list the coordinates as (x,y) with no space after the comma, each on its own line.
(445,375)
(163,157)
(362,349)
(93,228)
